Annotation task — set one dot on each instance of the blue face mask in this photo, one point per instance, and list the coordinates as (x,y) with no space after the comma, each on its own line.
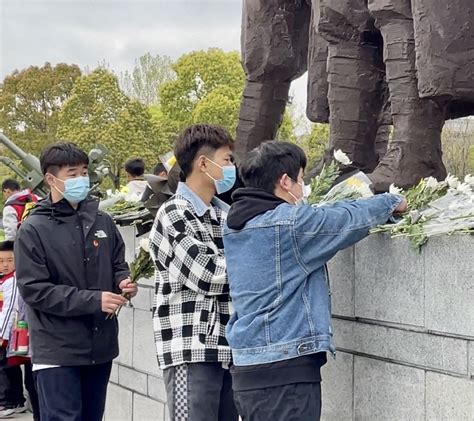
(75,189)
(226,183)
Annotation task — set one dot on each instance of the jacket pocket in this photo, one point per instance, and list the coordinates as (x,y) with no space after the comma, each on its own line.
(207,319)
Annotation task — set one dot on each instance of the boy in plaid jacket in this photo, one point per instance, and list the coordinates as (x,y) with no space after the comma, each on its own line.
(192,303)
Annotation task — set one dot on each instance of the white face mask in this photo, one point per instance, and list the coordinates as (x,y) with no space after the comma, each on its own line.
(306,189)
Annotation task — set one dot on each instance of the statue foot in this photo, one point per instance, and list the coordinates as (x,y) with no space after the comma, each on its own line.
(405,167)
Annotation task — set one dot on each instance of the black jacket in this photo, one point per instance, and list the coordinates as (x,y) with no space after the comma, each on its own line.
(64,259)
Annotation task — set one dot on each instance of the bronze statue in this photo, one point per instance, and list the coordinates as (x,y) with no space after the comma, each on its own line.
(371,63)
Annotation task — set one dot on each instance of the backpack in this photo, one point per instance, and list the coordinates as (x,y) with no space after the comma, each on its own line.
(23,205)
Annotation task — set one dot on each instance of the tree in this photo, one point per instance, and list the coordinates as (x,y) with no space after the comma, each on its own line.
(314,143)
(99,112)
(30,101)
(149,73)
(207,89)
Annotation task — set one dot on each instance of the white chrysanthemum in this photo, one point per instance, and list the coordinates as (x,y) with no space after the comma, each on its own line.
(393,189)
(452,181)
(469,179)
(145,244)
(432,183)
(464,188)
(341,157)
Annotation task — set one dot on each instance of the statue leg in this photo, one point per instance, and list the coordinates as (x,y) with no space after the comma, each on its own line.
(415,149)
(317,107)
(355,77)
(274,52)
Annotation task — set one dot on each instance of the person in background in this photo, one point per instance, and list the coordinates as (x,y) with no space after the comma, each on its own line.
(160,170)
(15,202)
(12,310)
(136,184)
(11,380)
(71,273)
(277,248)
(192,302)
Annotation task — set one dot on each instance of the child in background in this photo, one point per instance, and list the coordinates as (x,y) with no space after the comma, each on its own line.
(12,310)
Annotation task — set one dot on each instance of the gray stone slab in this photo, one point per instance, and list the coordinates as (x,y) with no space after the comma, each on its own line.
(146,409)
(144,355)
(450,284)
(449,398)
(147,281)
(341,275)
(114,373)
(389,281)
(119,404)
(126,336)
(142,301)
(128,235)
(471,359)
(337,388)
(422,349)
(132,379)
(167,413)
(156,388)
(384,391)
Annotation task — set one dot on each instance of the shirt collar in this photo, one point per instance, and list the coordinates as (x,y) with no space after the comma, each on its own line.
(198,204)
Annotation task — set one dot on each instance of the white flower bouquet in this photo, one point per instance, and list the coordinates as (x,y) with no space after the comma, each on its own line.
(435,208)
(354,187)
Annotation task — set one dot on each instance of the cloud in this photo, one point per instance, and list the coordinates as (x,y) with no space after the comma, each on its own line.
(85,32)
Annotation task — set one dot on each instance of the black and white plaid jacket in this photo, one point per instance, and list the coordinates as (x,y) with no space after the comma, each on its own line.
(192,303)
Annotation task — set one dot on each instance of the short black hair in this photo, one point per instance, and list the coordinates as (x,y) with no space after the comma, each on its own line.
(199,138)
(266,164)
(159,168)
(11,184)
(6,246)
(135,167)
(62,154)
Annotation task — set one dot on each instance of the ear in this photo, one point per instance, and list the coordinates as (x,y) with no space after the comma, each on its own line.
(286,183)
(201,163)
(50,180)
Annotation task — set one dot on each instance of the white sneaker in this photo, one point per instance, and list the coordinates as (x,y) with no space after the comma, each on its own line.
(20,409)
(6,412)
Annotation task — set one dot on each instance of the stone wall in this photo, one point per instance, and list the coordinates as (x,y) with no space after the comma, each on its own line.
(404,328)
(136,390)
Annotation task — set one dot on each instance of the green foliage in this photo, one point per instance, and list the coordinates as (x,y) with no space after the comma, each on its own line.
(30,102)
(149,73)
(286,131)
(220,106)
(458,148)
(99,112)
(207,89)
(316,142)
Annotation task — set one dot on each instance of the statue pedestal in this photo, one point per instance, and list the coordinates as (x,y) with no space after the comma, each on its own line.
(404,328)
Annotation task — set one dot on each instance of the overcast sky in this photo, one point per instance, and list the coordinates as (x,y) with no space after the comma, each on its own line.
(88,32)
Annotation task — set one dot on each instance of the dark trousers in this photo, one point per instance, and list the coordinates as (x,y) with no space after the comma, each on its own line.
(73,393)
(11,387)
(293,402)
(200,392)
(31,388)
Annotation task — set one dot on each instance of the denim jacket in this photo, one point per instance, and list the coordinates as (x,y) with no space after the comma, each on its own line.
(278,279)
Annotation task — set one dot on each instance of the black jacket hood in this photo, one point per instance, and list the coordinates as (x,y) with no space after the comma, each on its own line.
(63,208)
(248,203)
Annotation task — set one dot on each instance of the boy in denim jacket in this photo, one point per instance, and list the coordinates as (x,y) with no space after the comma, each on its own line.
(276,249)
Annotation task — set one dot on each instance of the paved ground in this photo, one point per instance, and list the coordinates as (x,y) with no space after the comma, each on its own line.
(21,417)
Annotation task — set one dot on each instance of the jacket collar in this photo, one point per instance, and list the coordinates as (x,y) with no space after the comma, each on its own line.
(200,208)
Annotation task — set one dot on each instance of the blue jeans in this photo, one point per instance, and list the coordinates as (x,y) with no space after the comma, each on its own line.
(75,393)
